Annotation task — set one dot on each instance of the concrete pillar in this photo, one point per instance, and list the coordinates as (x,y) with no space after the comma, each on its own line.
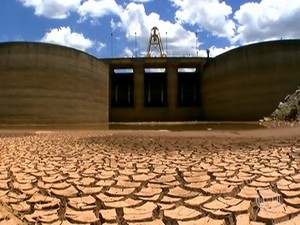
(138,80)
(172,87)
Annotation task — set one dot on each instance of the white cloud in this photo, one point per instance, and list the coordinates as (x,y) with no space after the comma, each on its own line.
(141,1)
(128,52)
(137,24)
(99,8)
(101,46)
(267,20)
(60,9)
(211,15)
(132,19)
(55,9)
(64,36)
(215,51)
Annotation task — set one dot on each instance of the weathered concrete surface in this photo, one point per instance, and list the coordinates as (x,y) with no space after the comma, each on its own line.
(247,83)
(172,111)
(43,84)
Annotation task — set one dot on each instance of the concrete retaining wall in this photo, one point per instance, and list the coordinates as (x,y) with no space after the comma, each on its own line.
(247,83)
(50,84)
(42,84)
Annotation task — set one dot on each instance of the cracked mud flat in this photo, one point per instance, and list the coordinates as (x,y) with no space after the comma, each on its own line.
(136,177)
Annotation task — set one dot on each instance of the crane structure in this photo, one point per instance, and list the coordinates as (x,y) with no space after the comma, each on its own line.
(155,44)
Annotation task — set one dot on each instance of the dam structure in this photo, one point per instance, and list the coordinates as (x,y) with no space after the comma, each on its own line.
(155,89)
(51,84)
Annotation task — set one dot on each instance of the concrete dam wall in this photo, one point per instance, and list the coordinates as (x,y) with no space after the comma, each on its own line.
(155,89)
(50,84)
(247,83)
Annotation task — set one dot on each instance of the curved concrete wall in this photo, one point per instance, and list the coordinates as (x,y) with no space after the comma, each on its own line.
(247,83)
(43,83)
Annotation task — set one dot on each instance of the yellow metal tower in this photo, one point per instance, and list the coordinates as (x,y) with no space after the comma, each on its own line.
(155,43)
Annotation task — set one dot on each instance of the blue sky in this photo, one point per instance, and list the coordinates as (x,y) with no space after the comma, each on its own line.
(121,28)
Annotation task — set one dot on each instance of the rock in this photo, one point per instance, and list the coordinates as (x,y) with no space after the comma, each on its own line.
(267,119)
(287,111)
(287,98)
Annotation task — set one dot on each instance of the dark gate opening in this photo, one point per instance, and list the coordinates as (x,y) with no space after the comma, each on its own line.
(188,89)
(122,90)
(155,89)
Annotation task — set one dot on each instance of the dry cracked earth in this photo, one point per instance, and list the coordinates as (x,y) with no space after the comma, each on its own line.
(65,178)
